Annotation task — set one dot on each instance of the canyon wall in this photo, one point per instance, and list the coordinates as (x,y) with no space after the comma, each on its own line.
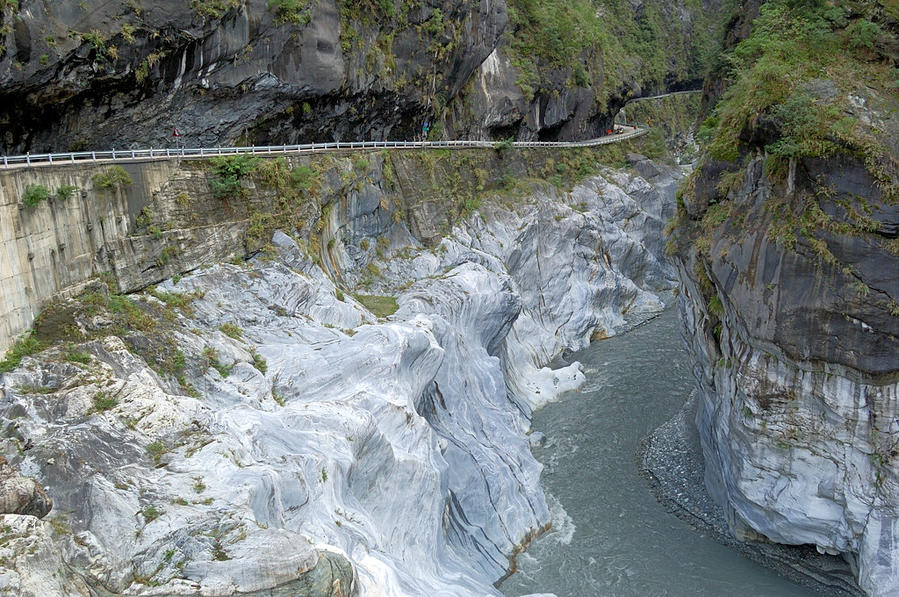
(346,412)
(164,218)
(785,242)
(85,74)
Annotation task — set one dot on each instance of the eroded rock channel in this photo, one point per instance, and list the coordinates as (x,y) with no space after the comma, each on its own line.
(610,535)
(271,432)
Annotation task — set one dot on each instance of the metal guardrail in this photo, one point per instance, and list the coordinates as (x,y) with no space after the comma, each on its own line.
(47,159)
(663,95)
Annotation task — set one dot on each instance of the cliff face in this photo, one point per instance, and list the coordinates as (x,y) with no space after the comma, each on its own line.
(144,222)
(355,451)
(786,248)
(90,74)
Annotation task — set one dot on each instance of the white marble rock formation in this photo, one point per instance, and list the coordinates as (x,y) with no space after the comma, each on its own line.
(373,457)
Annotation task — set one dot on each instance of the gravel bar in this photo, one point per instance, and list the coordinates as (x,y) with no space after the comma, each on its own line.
(671,460)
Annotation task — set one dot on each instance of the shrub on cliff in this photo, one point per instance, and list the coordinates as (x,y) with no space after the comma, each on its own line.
(113,178)
(213,9)
(291,11)
(65,192)
(227,173)
(22,348)
(795,79)
(34,194)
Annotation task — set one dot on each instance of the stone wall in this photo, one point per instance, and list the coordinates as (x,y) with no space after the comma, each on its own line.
(168,221)
(57,245)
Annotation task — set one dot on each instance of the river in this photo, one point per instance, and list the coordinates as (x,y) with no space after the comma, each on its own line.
(611,538)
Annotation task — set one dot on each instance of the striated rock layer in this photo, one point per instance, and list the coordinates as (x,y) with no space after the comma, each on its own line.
(85,74)
(786,239)
(797,367)
(309,447)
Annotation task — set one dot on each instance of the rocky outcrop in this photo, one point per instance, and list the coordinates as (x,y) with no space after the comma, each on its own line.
(282,445)
(165,218)
(96,75)
(790,299)
(797,368)
(21,495)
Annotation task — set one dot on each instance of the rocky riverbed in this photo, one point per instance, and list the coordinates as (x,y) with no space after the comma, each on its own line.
(671,460)
(297,441)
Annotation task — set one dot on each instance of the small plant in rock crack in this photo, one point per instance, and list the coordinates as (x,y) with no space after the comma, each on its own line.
(151,513)
(199,486)
(231,330)
(156,449)
(212,360)
(103,402)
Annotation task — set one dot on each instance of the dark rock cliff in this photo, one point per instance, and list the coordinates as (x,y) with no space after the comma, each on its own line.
(786,244)
(90,74)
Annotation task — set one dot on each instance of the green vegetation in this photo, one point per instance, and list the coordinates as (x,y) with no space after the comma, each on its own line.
(259,363)
(96,41)
(143,69)
(228,171)
(151,513)
(33,389)
(380,306)
(128,32)
(669,119)
(76,356)
(166,255)
(503,146)
(232,330)
(143,324)
(798,69)
(797,84)
(297,12)
(65,192)
(218,552)
(176,301)
(598,43)
(279,398)
(156,449)
(34,194)
(462,180)
(114,177)
(103,402)
(557,33)
(22,348)
(213,9)
(11,7)
(292,203)
(211,358)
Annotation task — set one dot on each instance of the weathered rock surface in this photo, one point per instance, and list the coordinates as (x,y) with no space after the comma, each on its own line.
(671,459)
(33,563)
(366,456)
(95,75)
(20,495)
(797,366)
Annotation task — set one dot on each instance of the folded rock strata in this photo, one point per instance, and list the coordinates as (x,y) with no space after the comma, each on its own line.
(366,456)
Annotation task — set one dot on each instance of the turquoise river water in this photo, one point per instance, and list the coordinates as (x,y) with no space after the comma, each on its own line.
(611,538)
